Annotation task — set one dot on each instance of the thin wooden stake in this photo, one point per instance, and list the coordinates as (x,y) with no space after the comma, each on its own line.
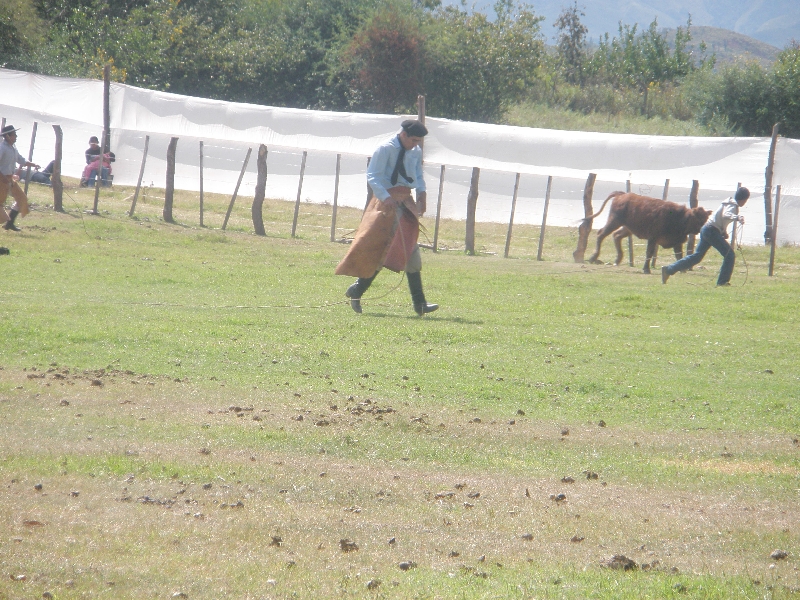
(335,197)
(201,184)
(774,236)
(630,236)
(55,178)
(299,192)
(438,211)
(141,174)
(544,216)
(30,156)
(692,204)
(511,218)
(472,203)
(236,190)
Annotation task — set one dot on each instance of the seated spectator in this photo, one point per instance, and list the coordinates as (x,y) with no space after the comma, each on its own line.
(37,176)
(93,151)
(90,171)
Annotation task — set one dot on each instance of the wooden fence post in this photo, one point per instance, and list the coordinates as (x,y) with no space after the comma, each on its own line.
(768,186)
(774,235)
(98,178)
(169,191)
(692,204)
(586,226)
(261,191)
(141,174)
(335,197)
(201,184)
(236,189)
(299,192)
(55,178)
(30,156)
(630,236)
(511,218)
(664,197)
(544,216)
(733,228)
(438,211)
(106,147)
(472,203)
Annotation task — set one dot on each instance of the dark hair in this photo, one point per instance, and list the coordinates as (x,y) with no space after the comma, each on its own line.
(741,194)
(414,128)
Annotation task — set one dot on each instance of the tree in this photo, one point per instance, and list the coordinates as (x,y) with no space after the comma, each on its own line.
(571,44)
(786,82)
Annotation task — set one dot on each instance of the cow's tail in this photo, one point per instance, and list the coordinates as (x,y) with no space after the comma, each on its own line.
(610,196)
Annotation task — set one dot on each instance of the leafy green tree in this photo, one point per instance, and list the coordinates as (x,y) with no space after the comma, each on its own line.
(21,31)
(571,44)
(475,68)
(786,81)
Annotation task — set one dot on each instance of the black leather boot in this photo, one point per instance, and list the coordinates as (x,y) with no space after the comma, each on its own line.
(12,214)
(417,296)
(355,291)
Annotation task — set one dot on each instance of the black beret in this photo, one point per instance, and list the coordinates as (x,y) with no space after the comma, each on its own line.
(414,128)
(741,194)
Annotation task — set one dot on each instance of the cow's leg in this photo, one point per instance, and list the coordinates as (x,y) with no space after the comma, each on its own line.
(651,249)
(678,249)
(610,227)
(619,235)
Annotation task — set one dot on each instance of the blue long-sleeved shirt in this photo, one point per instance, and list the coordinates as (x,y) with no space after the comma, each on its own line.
(9,157)
(381,167)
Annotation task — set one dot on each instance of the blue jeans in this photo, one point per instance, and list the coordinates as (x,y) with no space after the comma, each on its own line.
(709,236)
(103,176)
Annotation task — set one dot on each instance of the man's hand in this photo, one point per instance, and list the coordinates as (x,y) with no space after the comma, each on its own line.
(422,203)
(741,219)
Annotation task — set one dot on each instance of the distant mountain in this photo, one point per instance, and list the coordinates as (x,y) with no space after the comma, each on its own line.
(728,46)
(774,22)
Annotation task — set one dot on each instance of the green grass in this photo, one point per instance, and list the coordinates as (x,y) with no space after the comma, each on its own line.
(144,360)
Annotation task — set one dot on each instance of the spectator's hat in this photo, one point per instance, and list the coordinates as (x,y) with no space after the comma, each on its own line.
(414,128)
(8,129)
(94,140)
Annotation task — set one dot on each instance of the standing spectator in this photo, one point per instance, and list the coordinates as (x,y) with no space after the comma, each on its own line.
(9,157)
(388,233)
(714,233)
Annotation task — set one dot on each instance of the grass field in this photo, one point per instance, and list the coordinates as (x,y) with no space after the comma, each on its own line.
(193,413)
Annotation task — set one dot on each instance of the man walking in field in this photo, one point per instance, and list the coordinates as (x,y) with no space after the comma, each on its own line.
(388,233)
(714,233)
(9,157)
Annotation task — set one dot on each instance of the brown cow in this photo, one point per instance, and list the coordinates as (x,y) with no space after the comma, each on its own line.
(658,221)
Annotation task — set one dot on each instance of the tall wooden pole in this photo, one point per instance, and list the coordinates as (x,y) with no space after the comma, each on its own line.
(299,192)
(586,226)
(511,218)
(236,189)
(141,174)
(733,228)
(98,178)
(106,108)
(472,203)
(774,230)
(768,185)
(55,178)
(30,156)
(544,216)
(335,197)
(438,211)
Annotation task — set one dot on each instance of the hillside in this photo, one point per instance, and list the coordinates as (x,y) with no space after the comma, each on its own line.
(776,22)
(728,46)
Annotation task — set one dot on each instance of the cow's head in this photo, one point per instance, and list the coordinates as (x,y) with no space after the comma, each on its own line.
(695,219)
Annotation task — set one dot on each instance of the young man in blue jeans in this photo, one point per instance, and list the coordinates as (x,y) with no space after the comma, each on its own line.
(714,233)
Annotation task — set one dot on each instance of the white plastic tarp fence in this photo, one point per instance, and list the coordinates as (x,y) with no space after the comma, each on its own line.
(228,129)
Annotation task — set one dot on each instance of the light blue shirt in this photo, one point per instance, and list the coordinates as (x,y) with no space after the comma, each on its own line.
(9,157)
(381,166)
